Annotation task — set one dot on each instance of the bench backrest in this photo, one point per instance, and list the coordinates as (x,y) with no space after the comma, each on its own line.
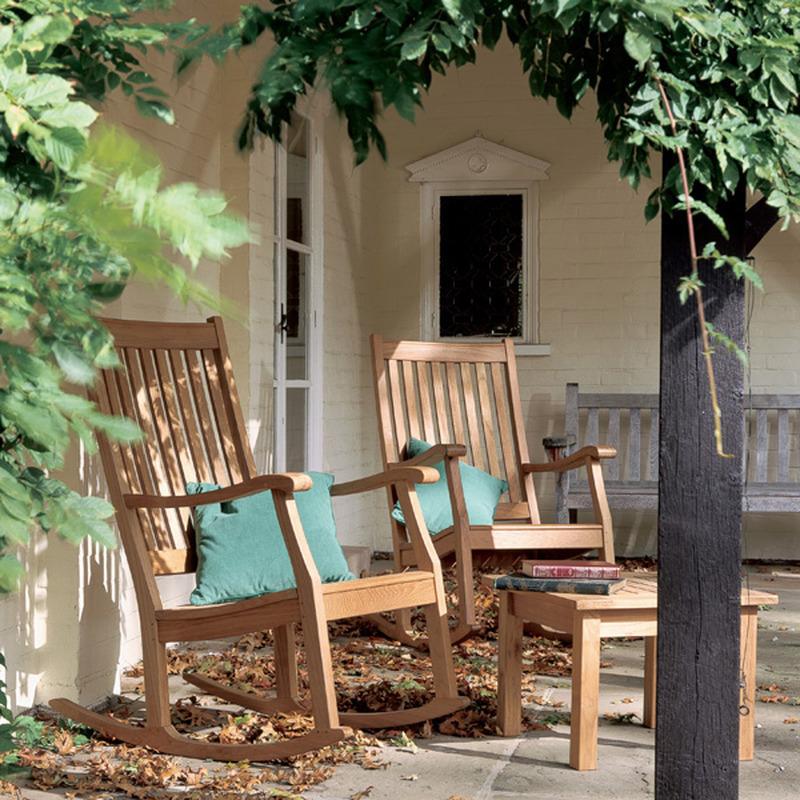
(629,422)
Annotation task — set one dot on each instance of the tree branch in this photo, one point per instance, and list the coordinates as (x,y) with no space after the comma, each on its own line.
(759,219)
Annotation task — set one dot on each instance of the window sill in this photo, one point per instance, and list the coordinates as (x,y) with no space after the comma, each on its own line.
(532,349)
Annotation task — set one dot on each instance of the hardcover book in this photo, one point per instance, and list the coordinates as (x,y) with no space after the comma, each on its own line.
(570,569)
(523,583)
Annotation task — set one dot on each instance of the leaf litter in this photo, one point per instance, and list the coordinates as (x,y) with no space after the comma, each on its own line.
(372,673)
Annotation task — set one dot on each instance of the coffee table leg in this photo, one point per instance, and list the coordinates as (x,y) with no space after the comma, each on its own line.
(585,692)
(650,659)
(509,670)
(747,722)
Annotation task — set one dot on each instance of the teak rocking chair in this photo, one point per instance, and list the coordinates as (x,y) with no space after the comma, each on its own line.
(176,382)
(464,399)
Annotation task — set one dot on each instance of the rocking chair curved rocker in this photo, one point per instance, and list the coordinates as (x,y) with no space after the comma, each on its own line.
(176,382)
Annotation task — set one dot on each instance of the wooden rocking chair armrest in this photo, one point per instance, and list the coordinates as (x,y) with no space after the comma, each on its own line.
(400,474)
(573,460)
(278,482)
(434,455)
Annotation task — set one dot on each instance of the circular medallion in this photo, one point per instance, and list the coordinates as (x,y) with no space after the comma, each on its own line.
(477,163)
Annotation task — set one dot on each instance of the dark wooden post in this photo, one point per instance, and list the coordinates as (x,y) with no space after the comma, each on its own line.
(699,525)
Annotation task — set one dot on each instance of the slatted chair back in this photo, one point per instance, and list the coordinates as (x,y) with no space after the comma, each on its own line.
(175,381)
(626,422)
(456,393)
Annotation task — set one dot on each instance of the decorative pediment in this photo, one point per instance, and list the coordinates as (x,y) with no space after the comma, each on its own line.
(478,159)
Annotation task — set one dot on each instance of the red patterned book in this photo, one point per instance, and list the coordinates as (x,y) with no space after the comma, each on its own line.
(596,570)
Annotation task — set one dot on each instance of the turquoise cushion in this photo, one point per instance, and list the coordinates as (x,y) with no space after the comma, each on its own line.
(482,493)
(241,551)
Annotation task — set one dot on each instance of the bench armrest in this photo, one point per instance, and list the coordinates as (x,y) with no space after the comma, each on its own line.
(574,460)
(399,474)
(277,482)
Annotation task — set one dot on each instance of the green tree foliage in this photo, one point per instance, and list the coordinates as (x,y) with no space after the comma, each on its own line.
(730,68)
(82,209)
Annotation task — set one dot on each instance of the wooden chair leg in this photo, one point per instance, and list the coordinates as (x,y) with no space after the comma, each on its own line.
(285,650)
(156,681)
(509,670)
(465,587)
(320,672)
(444,677)
(585,692)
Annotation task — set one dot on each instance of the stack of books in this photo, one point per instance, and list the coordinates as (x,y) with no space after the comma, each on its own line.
(570,577)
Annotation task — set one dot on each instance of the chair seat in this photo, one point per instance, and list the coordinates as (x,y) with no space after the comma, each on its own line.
(342,599)
(511,536)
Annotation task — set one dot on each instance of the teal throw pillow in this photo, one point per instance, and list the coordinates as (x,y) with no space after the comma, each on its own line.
(482,493)
(240,547)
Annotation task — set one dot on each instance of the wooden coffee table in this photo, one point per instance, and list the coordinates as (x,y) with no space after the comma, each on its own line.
(630,612)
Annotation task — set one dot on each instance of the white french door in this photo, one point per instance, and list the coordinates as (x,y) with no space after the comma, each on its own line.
(298,294)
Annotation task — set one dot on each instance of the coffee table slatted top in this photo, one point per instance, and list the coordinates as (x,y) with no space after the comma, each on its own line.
(638,592)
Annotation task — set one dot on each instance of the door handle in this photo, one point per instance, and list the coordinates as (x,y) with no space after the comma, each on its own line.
(283,325)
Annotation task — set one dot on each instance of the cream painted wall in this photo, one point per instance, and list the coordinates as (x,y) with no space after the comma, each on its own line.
(598,265)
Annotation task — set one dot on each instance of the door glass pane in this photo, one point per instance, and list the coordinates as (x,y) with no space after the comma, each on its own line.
(481,289)
(296,321)
(297,181)
(296,429)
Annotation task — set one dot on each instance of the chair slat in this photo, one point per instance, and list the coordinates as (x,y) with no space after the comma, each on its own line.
(428,427)
(191,424)
(762,445)
(109,402)
(783,445)
(439,379)
(455,405)
(205,416)
(473,424)
(153,481)
(160,414)
(488,416)
(652,450)
(383,402)
(506,437)
(592,427)
(412,407)
(612,466)
(396,391)
(174,417)
(635,444)
(238,471)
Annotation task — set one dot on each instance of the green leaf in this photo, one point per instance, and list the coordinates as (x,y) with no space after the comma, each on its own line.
(638,46)
(10,573)
(45,90)
(70,115)
(414,49)
(64,145)
(74,365)
(453,8)
(8,202)
(153,108)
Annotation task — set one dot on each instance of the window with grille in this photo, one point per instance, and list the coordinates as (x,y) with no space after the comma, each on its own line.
(481,267)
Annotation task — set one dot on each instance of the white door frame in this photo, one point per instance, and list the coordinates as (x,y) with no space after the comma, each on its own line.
(313,321)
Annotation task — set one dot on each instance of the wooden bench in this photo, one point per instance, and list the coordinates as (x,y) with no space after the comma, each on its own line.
(629,422)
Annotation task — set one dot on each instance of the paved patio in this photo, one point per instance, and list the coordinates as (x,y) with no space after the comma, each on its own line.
(535,764)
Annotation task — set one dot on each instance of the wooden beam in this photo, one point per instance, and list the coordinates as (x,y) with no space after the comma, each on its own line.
(758,221)
(699,525)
